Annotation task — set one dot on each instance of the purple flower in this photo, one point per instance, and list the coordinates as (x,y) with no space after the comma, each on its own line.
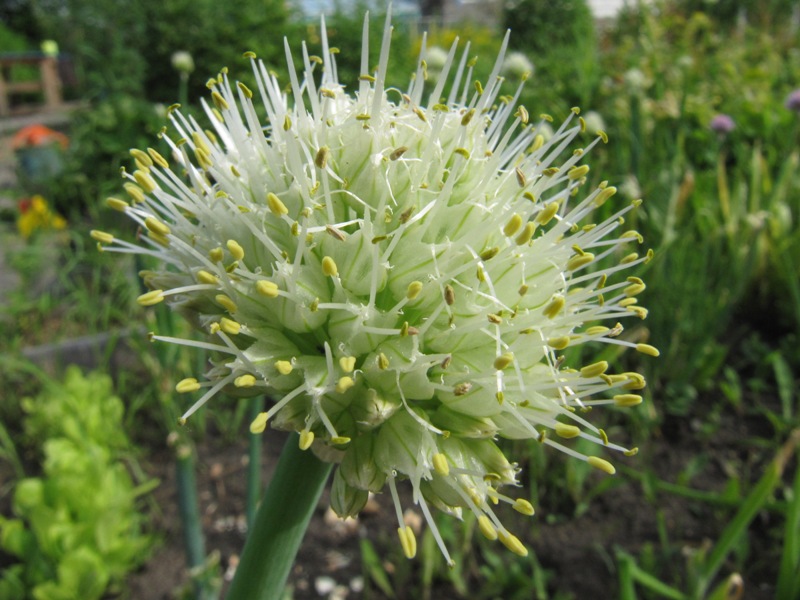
(722,124)
(793,101)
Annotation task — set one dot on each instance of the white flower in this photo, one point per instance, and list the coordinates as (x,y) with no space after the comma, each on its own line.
(517,66)
(182,61)
(400,273)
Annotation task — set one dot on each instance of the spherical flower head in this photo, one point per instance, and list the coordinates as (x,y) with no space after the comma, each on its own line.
(517,66)
(793,101)
(400,271)
(722,124)
(182,61)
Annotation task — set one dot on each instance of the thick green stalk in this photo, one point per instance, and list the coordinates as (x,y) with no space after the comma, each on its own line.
(255,405)
(280,524)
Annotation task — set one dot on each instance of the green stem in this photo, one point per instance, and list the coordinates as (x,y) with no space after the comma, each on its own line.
(280,524)
(256,405)
(189,510)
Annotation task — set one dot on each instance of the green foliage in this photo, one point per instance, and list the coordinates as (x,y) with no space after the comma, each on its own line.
(559,37)
(77,531)
(100,138)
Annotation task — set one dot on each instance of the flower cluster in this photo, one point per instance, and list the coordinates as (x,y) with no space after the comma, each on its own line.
(36,215)
(401,271)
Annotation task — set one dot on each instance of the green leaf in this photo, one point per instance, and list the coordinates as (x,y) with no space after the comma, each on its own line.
(374,568)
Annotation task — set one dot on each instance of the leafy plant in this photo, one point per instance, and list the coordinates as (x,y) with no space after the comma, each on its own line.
(76,529)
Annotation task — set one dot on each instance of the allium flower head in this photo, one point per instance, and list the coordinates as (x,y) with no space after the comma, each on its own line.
(793,101)
(517,66)
(400,271)
(723,124)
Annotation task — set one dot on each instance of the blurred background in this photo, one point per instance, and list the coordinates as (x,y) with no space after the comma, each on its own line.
(701,103)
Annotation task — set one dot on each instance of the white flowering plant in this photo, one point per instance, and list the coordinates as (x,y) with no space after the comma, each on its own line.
(400,270)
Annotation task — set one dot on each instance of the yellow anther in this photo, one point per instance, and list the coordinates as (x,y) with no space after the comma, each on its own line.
(216,255)
(347,363)
(244,381)
(244,89)
(579,260)
(583,124)
(287,123)
(135,192)
(603,436)
(522,114)
(465,120)
(463,152)
(306,439)
(567,431)
(329,268)
(440,464)
(321,159)
(226,303)
(647,349)
(601,464)
(267,288)
(206,277)
(480,274)
(449,295)
(190,384)
(398,152)
(229,326)
(344,384)
(340,440)
(503,361)
(276,205)
(158,238)
(521,179)
(523,289)
(259,424)
(157,158)
(151,298)
(635,382)
(284,367)
(513,225)
(627,400)
(523,506)
(156,226)
(578,172)
(538,142)
(494,319)
(632,233)
(526,234)
(249,54)
(595,369)
(383,362)
(489,253)
(558,343)
(101,236)
(555,306)
(625,302)
(486,528)
(634,289)
(602,135)
(141,157)
(414,288)
(631,452)
(597,330)
(145,181)
(512,542)
(407,541)
(117,204)
(633,256)
(604,195)
(639,311)
(548,212)
(550,171)
(219,101)
(237,252)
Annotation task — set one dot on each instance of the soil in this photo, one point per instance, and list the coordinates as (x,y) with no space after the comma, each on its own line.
(577,552)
